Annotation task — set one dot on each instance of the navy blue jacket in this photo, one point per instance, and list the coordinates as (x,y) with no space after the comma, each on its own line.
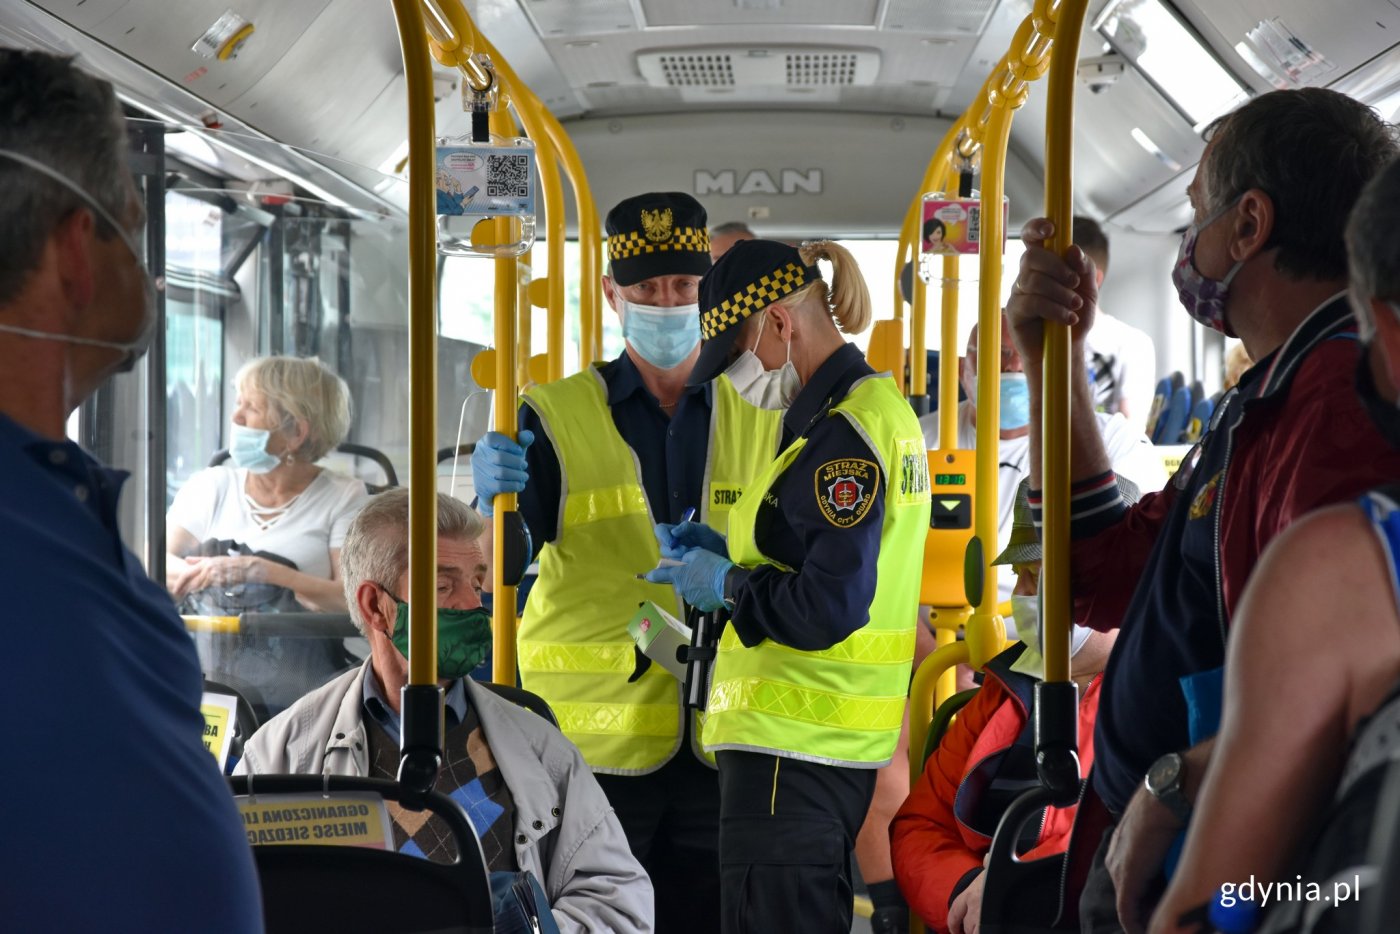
(830,596)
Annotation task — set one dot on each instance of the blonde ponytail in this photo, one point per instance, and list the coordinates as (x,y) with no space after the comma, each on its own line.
(848,299)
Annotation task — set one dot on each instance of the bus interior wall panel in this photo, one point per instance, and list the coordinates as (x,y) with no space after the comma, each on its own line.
(868,166)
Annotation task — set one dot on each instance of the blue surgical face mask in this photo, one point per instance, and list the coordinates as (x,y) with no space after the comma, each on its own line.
(247,448)
(1015,401)
(133,349)
(664,337)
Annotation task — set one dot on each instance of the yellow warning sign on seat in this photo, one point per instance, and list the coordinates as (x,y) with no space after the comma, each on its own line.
(218,710)
(341,819)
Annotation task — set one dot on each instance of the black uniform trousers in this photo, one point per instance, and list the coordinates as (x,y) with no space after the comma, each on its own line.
(671,818)
(786,832)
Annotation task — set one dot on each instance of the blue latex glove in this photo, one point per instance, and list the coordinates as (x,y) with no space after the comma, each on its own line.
(699,578)
(498,466)
(677,539)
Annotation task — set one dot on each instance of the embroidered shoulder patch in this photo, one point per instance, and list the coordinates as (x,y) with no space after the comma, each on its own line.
(846,489)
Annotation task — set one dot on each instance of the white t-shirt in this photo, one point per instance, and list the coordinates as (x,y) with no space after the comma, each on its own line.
(1129,451)
(211,504)
(1123,364)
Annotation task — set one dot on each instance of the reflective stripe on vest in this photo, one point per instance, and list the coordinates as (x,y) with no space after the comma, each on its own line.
(842,705)
(574,650)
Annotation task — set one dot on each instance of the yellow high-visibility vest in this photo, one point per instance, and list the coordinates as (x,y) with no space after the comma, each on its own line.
(574,649)
(842,705)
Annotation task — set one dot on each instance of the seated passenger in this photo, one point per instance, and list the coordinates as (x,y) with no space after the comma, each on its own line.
(535,804)
(943,832)
(1129,450)
(1314,657)
(264,531)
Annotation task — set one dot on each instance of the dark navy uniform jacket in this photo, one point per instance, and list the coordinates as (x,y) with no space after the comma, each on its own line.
(671,451)
(831,597)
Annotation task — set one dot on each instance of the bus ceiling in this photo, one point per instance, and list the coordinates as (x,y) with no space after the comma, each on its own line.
(801,116)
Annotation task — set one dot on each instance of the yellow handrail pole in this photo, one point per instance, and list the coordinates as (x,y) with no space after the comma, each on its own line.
(985,631)
(467,38)
(589,229)
(507,402)
(948,353)
(546,133)
(909,245)
(422,347)
(554,276)
(940,661)
(524,311)
(1055,406)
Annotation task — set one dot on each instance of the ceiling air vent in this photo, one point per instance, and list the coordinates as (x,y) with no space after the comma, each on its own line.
(696,69)
(814,69)
(759,67)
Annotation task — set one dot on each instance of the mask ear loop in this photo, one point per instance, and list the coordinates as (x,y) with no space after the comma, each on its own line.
(762,322)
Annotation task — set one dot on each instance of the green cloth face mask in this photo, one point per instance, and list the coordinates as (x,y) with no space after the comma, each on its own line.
(464,638)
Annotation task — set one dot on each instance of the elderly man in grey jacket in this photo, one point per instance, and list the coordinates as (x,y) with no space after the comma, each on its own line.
(532,799)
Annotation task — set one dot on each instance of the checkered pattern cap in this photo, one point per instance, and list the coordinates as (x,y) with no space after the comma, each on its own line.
(661,233)
(1024,544)
(752,275)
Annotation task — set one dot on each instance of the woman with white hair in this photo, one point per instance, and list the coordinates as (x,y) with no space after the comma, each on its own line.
(264,531)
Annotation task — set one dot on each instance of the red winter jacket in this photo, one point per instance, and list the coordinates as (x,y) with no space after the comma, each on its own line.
(935,850)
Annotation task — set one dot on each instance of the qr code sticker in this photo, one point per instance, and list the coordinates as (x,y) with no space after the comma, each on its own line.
(507,176)
(974,224)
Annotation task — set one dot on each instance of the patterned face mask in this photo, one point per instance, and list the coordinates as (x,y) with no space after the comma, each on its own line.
(1203,298)
(464,638)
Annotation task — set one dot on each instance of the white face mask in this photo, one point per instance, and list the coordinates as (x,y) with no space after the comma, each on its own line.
(136,347)
(1026,612)
(766,389)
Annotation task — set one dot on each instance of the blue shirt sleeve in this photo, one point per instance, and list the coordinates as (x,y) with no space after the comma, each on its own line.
(539,501)
(831,546)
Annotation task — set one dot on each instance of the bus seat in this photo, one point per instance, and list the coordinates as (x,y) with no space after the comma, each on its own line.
(462,450)
(304,887)
(391,477)
(522,698)
(1024,897)
(245,720)
(943,718)
(885,352)
(272,659)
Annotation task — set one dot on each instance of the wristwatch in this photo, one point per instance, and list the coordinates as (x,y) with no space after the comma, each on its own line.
(1164,782)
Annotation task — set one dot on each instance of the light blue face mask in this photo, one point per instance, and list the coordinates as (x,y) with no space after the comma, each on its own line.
(1015,401)
(248,449)
(663,336)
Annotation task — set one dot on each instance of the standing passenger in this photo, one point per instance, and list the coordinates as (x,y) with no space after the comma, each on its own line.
(617,448)
(723,236)
(1122,359)
(1262,260)
(821,575)
(116,817)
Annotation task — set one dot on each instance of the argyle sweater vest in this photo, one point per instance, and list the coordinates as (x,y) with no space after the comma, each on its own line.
(469,776)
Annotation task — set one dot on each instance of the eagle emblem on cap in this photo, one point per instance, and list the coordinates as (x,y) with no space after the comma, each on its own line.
(657,225)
